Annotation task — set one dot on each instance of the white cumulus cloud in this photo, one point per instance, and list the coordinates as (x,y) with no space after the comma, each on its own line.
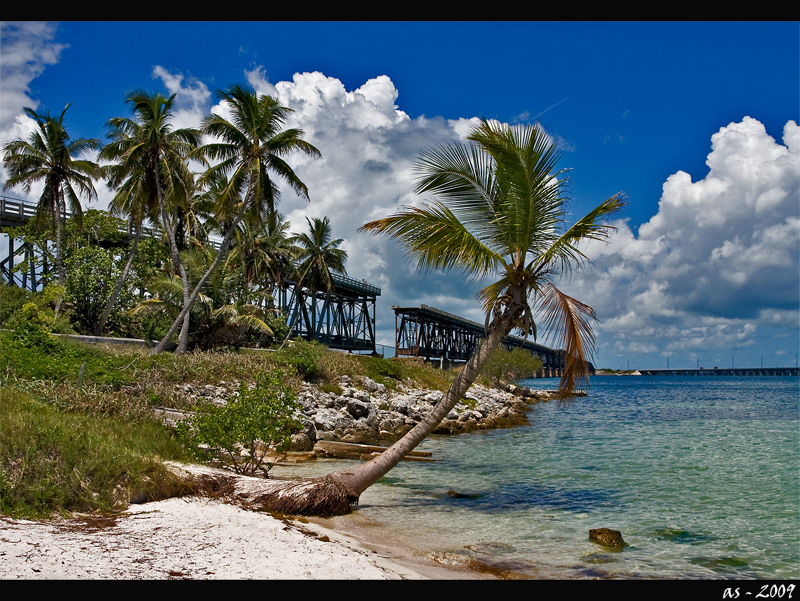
(724,248)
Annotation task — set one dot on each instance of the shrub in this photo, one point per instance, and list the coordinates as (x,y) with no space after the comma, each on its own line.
(18,306)
(303,356)
(516,364)
(380,367)
(243,432)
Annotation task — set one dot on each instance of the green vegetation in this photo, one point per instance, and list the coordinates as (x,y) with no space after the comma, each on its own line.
(259,422)
(114,279)
(80,446)
(60,461)
(510,366)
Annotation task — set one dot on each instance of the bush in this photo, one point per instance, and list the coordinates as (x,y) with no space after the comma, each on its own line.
(12,300)
(18,306)
(380,367)
(511,366)
(303,357)
(243,432)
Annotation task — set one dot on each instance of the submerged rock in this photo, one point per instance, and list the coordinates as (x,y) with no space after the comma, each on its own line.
(607,538)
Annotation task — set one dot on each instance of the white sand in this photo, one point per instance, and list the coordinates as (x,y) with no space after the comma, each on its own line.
(187,538)
(197,538)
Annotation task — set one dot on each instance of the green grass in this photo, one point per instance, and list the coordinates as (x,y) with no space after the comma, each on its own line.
(60,462)
(70,448)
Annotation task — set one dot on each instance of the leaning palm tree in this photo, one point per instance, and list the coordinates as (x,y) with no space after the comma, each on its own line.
(50,155)
(150,173)
(265,253)
(498,209)
(248,148)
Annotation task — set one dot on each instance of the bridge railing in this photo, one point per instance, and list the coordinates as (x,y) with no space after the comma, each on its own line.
(16,209)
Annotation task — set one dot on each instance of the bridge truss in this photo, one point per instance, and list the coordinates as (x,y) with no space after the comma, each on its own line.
(14,213)
(435,334)
(342,319)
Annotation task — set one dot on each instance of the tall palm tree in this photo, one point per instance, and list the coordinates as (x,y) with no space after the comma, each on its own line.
(498,210)
(248,148)
(151,173)
(319,257)
(50,155)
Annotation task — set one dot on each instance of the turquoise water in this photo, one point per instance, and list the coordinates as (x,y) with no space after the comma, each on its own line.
(701,475)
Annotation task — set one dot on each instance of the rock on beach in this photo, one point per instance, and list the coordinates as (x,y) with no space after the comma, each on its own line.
(367,413)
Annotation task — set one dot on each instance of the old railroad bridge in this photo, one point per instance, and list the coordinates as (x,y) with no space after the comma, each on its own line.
(437,335)
(737,371)
(341,319)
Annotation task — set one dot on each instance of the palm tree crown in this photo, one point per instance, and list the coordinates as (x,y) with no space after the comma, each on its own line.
(149,157)
(499,209)
(249,146)
(320,255)
(50,155)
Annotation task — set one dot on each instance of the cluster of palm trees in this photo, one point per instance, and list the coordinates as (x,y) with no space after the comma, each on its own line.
(233,196)
(497,209)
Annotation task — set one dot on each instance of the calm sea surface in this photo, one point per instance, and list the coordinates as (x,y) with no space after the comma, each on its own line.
(701,475)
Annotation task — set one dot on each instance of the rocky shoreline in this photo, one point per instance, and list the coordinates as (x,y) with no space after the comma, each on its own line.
(365,412)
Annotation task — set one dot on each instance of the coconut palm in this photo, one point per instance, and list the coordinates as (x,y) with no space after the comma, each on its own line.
(498,209)
(265,253)
(319,255)
(221,315)
(249,146)
(150,173)
(319,258)
(50,155)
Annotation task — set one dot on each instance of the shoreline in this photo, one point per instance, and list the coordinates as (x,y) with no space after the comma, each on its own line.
(192,538)
(202,538)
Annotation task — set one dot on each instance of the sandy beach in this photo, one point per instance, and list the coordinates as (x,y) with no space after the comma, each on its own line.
(200,538)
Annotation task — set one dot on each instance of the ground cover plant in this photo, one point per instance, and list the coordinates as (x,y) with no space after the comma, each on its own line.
(77,428)
(62,462)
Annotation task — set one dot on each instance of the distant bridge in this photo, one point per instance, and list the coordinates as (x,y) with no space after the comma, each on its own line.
(342,319)
(15,213)
(435,334)
(738,371)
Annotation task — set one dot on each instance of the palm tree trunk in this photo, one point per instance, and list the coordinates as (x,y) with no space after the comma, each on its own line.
(358,479)
(115,295)
(335,493)
(62,276)
(184,314)
(176,259)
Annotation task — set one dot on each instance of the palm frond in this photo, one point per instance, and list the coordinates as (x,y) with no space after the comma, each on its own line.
(593,226)
(435,238)
(569,323)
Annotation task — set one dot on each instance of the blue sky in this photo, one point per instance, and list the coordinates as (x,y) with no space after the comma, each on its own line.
(695,122)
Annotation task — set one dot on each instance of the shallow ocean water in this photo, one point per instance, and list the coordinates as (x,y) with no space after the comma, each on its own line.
(701,475)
